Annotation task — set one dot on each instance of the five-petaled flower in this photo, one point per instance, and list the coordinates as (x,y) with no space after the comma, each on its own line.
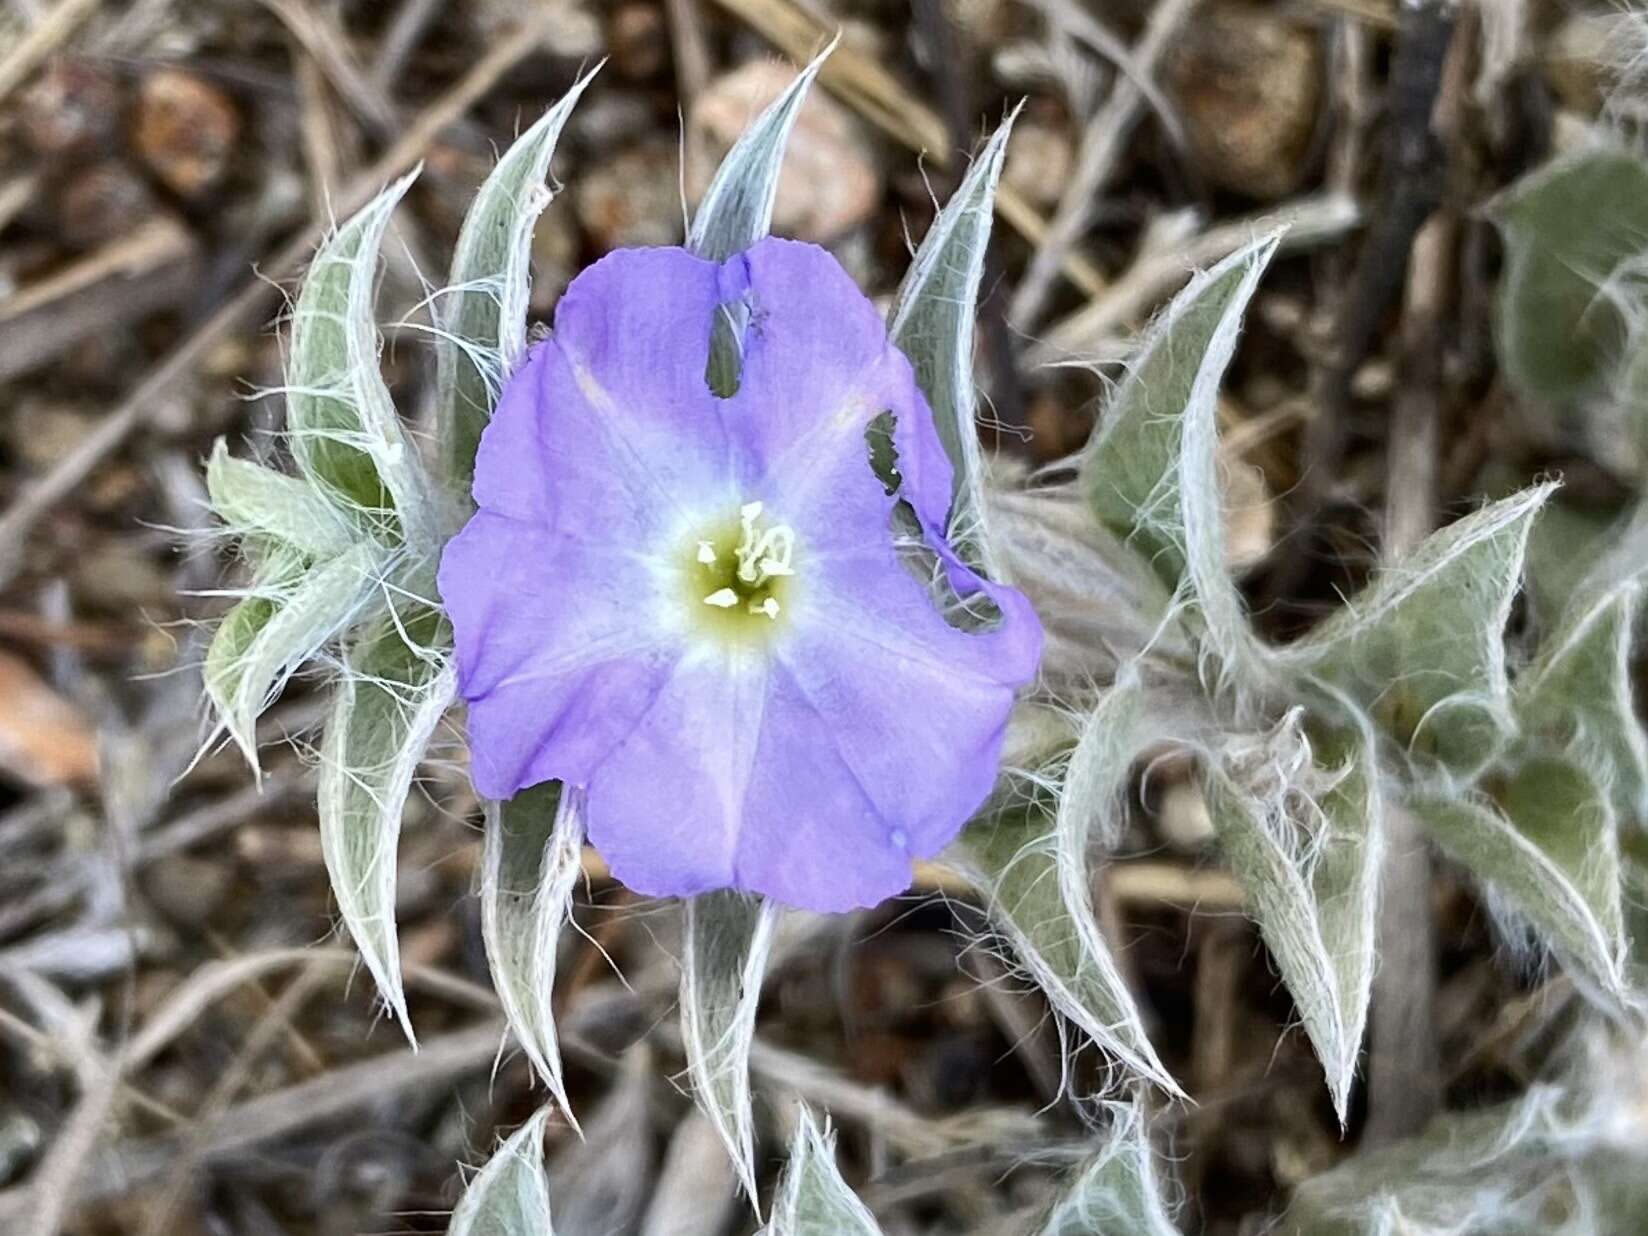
(697,608)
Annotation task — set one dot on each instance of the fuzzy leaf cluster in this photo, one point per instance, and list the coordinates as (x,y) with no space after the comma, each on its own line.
(1565,1159)
(342,549)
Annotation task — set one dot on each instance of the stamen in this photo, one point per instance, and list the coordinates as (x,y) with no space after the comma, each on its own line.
(722,598)
(769,607)
(763,554)
(706,553)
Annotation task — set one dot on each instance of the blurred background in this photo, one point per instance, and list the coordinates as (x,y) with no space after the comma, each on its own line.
(185,1048)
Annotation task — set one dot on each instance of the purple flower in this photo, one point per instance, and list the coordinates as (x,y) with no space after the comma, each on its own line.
(694,607)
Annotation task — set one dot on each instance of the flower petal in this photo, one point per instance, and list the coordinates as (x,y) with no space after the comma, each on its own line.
(610,429)
(818,369)
(555,655)
(918,708)
(730,780)
(666,808)
(813,837)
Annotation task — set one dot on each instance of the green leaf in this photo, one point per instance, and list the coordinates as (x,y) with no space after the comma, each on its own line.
(482,317)
(255,501)
(1116,1193)
(530,861)
(737,207)
(393,693)
(1566,547)
(1422,648)
(812,1199)
(727,938)
(1303,833)
(346,435)
(226,659)
(1567,229)
(267,636)
(1161,416)
(1548,847)
(1036,878)
(933,322)
(1562,1160)
(510,1197)
(1576,697)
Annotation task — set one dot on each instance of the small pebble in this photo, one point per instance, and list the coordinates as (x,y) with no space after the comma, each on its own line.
(637,40)
(72,109)
(1248,85)
(185,130)
(101,203)
(632,198)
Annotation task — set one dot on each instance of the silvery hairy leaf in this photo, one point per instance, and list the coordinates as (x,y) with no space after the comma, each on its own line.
(737,207)
(1546,844)
(262,504)
(395,689)
(288,617)
(737,211)
(346,435)
(1118,1192)
(1229,643)
(530,862)
(1150,471)
(1034,871)
(510,1196)
(812,1199)
(933,321)
(1565,1159)
(1301,825)
(1422,647)
(1568,227)
(726,940)
(1576,696)
(481,317)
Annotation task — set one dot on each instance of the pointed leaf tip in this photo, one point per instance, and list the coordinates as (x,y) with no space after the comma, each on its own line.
(510,1195)
(1422,647)
(736,210)
(1306,844)
(727,940)
(530,862)
(933,322)
(482,314)
(813,1199)
(384,713)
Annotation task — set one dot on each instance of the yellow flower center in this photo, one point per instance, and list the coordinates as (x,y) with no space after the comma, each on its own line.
(739,576)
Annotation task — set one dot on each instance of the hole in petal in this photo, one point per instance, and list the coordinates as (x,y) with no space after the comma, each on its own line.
(972,612)
(878,434)
(725,370)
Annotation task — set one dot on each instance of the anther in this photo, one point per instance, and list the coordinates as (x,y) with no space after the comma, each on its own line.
(706,553)
(723,598)
(768,606)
